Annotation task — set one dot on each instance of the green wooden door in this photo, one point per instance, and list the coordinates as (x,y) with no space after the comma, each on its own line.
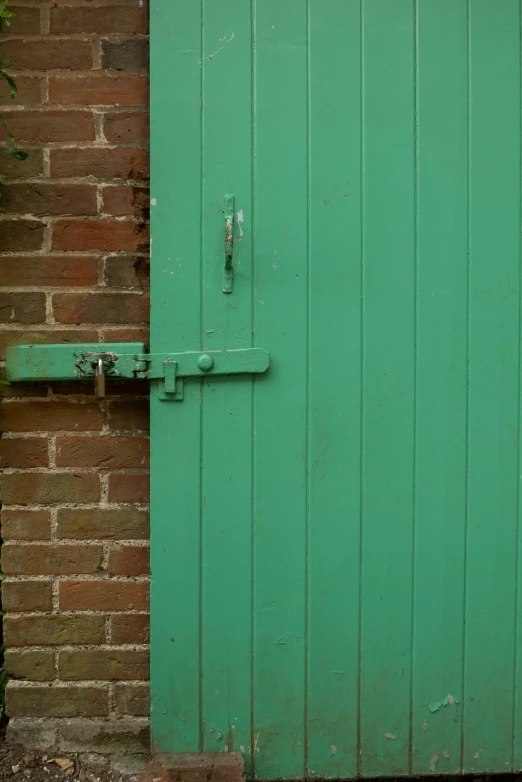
(335,542)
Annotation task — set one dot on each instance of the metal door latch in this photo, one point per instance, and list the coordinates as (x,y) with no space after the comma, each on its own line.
(128,360)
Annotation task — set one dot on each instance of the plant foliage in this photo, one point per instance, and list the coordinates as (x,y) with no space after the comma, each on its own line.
(5,19)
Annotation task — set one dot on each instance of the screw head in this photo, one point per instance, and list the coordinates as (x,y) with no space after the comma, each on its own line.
(205,362)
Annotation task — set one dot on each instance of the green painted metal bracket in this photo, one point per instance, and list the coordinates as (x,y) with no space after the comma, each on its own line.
(128,360)
(229,243)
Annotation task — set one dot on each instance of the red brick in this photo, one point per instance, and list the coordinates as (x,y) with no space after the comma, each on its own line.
(103,524)
(53,630)
(21,236)
(100,163)
(53,416)
(132,699)
(70,271)
(129,561)
(26,337)
(127,200)
(128,54)
(130,629)
(102,308)
(35,666)
(107,665)
(129,487)
(129,415)
(48,199)
(27,595)
(32,166)
(128,335)
(24,452)
(104,595)
(102,452)
(47,54)
(49,488)
(110,235)
(22,307)
(51,126)
(69,701)
(52,559)
(113,19)
(26,21)
(29,92)
(26,524)
(99,90)
(127,272)
(126,126)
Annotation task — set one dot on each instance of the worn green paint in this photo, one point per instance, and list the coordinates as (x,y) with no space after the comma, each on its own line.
(335,542)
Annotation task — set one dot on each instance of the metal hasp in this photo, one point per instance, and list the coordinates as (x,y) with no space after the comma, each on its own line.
(229,243)
(128,360)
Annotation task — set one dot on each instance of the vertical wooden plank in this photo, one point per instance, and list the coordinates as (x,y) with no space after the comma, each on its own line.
(175,427)
(442,284)
(227,402)
(334,383)
(388,378)
(280,414)
(493,383)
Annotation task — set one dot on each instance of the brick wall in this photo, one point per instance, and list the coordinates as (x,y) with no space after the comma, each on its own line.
(73,268)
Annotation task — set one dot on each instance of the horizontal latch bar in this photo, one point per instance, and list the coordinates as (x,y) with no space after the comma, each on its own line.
(212,362)
(125,360)
(73,362)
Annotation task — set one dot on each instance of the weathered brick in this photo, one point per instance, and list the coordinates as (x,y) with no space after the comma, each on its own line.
(129,415)
(105,737)
(31,665)
(30,337)
(45,199)
(100,163)
(47,54)
(51,126)
(129,335)
(127,272)
(129,487)
(26,595)
(103,665)
(126,126)
(131,54)
(20,390)
(118,19)
(99,90)
(22,307)
(20,236)
(102,452)
(26,524)
(26,21)
(49,488)
(31,167)
(70,271)
(103,523)
(29,91)
(127,200)
(109,235)
(130,629)
(102,308)
(53,630)
(132,699)
(129,561)
(69,701)
(53,559)
(105,595)
(52,416)
(24,452)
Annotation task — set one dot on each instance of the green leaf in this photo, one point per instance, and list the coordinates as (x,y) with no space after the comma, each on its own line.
(10,82)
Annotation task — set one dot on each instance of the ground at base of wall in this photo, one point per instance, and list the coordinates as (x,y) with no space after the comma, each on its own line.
(18,764)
